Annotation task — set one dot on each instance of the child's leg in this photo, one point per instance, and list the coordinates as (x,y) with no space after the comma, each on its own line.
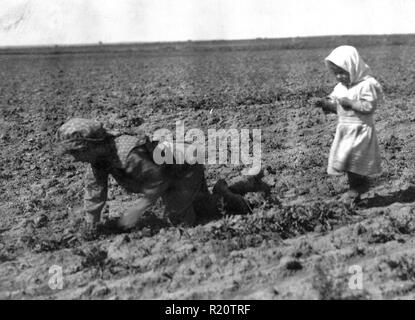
(358,183)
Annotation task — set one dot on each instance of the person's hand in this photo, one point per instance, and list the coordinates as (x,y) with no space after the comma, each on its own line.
(346,103)
(133,216)
(317,102)
(328,105)
(130,219)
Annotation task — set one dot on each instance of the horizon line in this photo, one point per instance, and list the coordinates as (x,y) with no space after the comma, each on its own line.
(100,43)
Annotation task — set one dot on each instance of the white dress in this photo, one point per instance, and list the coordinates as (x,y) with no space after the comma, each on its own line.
(355,147)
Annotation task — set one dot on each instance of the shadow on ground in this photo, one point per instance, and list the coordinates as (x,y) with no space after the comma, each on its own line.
(402,196)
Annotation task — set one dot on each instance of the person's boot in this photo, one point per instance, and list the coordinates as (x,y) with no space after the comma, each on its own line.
(251,184)
(234,203)
(220,187)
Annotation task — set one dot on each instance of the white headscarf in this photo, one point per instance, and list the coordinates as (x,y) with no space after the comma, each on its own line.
(347,58)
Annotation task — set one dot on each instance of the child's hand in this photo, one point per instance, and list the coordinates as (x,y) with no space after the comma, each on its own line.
(317,102)
(346,103)
(328,105)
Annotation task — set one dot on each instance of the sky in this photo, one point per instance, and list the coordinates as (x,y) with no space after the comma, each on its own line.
(50,22)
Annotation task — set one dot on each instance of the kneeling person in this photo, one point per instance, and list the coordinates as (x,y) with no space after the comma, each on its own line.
(129,159)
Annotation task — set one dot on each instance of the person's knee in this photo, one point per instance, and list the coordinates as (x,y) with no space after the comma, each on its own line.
(206,207)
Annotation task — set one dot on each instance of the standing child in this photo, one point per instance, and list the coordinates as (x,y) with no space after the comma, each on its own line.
(355,148)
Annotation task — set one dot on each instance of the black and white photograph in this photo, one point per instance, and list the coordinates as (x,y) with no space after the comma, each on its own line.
(207,150)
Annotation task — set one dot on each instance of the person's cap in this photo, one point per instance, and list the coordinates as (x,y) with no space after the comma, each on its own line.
(75,133)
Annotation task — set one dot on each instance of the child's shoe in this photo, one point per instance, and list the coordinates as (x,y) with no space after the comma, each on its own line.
(351,198)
